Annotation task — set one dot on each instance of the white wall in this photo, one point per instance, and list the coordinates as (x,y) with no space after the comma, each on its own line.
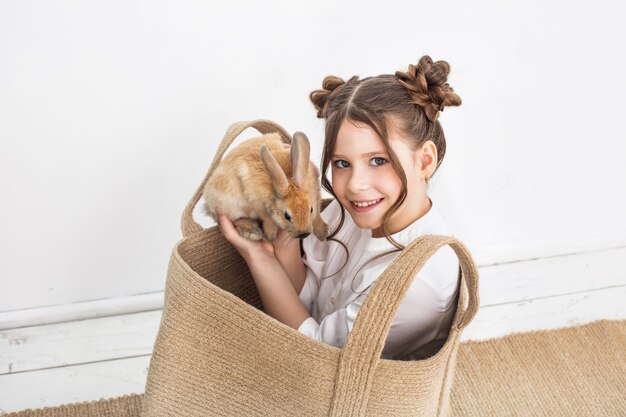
(110,113)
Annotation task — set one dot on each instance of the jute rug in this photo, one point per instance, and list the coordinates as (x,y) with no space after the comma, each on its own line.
(575,371)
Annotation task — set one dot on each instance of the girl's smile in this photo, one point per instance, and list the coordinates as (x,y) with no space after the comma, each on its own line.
(365,206)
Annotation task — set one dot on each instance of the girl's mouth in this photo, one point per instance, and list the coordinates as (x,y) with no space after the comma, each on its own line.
(365,206)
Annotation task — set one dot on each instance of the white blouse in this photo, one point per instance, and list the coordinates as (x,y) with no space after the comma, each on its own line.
(423,320)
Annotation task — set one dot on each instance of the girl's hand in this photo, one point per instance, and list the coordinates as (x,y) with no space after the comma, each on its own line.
(249,249)
(282,244)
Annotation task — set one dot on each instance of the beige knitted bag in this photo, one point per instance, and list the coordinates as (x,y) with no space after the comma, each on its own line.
(218,354)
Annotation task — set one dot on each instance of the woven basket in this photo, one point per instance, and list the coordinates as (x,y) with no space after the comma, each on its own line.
(218,354)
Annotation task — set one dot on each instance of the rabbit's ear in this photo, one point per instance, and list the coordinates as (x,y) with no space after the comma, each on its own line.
(280,180)
(300,151)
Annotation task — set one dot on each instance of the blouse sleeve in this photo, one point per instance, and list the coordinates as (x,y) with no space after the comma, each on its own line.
(335,327)
(418,320)
(427,308)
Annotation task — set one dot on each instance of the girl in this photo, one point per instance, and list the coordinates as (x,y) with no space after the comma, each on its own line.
(384,143)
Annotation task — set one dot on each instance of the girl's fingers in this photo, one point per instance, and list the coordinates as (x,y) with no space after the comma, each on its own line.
(231,234)
(227,226)
(221,221)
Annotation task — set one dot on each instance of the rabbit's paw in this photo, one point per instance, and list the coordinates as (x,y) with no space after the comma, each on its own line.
(270,230)
(249,228)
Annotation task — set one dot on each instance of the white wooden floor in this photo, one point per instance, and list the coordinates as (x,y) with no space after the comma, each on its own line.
(82,360)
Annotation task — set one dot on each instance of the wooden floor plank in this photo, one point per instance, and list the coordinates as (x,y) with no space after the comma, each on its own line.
(69,384)
(547,313)
(540,278)
(61,344)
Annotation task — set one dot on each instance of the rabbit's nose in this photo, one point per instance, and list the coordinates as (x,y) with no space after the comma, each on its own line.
(303,235)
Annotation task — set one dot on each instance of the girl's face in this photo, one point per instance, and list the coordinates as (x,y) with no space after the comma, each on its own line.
(366,185)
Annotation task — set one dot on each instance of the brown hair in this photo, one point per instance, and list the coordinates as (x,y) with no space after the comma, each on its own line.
(409,102)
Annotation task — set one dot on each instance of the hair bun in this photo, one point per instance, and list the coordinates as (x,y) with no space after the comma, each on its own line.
(322,98)
(427,84)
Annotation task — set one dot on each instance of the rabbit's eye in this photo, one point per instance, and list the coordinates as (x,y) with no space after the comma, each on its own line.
(311,209)
(287,216)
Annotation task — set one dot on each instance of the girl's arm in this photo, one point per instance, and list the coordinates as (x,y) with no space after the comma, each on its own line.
(287,251)
(274,286)
(277,292)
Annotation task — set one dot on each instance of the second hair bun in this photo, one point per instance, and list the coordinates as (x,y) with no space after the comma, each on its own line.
(428,87)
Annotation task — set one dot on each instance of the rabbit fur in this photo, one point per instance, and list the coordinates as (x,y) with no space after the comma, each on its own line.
(263,186)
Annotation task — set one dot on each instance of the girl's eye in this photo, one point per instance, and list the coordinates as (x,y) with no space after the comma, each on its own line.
(382,161)
(338,163)
(287,216)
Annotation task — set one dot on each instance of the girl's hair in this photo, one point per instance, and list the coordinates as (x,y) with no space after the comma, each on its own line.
(408,102)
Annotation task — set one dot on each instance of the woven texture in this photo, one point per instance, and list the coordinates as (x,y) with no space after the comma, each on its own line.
(570,372)
(574,371)
(218,354)
(125,406)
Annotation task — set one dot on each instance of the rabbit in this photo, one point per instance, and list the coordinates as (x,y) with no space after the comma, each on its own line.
(257,188)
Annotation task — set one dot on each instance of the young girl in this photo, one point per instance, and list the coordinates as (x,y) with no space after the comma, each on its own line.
(383,142)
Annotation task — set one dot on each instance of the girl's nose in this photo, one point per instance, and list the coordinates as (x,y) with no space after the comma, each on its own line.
(358,181)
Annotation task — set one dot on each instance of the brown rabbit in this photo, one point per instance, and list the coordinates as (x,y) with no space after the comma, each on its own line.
(257,188)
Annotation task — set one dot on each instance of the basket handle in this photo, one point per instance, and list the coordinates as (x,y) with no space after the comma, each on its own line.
(188,224)
(367,338)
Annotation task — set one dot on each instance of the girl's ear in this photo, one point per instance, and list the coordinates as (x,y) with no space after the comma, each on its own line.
(427,154)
